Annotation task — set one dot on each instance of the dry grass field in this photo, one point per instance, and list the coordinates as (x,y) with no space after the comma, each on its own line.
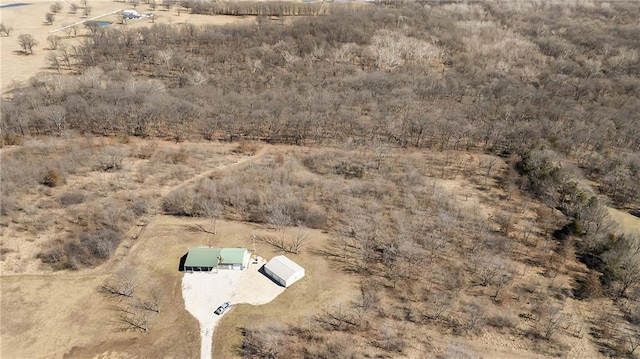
(36,302)
(39,301)
(63,315)
(30,19)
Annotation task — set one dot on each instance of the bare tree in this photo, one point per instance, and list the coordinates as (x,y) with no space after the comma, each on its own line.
(550,319)
(6,30)
(265,342)
(631,337)
(27,42)
(213,210)
(475,316)
(502,280)
(132,307)
(624,262)
(595,220)
(73,8)
(53,41)
(437,303)
(368,300)
(131,316)
(54,61)
(50,18)
(301,239)
(122,286)
(486,268)
(68,30)
(56,7)
(65,56)
(152,301)
(86,8)
(279,219)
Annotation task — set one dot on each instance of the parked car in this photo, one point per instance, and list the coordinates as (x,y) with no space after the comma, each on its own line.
(222,308)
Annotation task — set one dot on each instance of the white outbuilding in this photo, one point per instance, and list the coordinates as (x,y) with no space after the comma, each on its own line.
(283,270)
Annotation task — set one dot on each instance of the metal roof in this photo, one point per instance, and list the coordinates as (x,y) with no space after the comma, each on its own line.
(232,255)
(283,267)
(202,257)
(209,257)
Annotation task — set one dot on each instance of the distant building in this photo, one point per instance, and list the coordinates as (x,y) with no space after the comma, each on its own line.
(131,14)
(206,259)
(283,270)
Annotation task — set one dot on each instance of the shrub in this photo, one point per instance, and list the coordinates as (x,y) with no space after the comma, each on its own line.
(589,286)
(52,178)
(139,207)
(349,170)
(11,139)
(57,257)
(111,164)
(71,198)
(89,249)
(7,204)
(4,251)
(247,147)
(146,152)
(177,157)
(178,203)
(501,321)
(99,244)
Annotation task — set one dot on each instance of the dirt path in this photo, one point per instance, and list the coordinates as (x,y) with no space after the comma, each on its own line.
(135,232)
(263,150)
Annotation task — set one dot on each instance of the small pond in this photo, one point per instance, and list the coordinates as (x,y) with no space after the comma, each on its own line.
(14,5)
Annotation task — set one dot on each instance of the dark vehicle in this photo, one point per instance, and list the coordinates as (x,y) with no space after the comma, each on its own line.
(221,309)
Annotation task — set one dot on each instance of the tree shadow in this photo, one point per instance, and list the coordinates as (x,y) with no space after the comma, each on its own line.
(197,228)
(338,259)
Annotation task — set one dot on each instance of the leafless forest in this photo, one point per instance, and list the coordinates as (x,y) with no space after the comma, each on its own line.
(534,104)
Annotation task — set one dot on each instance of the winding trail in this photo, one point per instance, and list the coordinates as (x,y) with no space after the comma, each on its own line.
(260,153)
(135,233)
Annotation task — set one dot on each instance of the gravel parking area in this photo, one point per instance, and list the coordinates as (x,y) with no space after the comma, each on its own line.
(203,292)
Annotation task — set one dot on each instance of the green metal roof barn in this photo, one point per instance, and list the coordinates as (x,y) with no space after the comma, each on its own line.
(207,258)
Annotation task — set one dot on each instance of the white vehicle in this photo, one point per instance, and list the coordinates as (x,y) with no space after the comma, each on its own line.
(131,14)
(221,309)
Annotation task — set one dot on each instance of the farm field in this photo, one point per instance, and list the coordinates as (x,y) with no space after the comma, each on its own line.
(30,19)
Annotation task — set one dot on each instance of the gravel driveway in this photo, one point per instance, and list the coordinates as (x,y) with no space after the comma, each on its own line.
(203,292)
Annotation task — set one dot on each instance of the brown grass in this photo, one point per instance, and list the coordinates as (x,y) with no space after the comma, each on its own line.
(29,20)
(453,189)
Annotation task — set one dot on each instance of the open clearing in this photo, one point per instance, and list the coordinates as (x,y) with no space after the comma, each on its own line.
(628,223)
(30,19)
(81,325)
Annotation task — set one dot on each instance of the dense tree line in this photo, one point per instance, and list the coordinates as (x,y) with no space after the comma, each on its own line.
(244,8)
(445,77)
